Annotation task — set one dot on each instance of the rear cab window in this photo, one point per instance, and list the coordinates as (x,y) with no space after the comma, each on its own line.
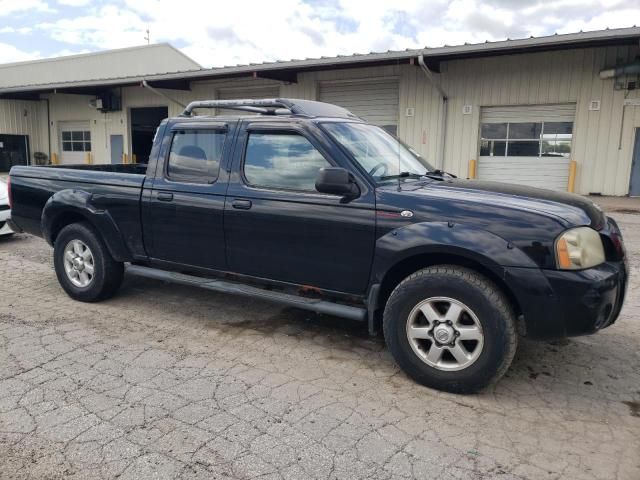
(195,155)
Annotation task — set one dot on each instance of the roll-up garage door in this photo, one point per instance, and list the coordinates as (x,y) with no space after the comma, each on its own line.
(528,145)
(374,101)
(252,93)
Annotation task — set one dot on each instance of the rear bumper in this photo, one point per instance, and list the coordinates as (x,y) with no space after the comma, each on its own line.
(569,303)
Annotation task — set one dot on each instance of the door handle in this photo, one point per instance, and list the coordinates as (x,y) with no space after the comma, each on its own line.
(165,196)
(241,204)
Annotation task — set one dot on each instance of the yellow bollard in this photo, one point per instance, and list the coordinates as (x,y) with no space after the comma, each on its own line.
(54,159)
(125,160)
(573,165)
(87,159)
(133,158)
(472,169)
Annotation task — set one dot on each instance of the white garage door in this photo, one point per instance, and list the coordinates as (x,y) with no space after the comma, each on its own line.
(374,101)
(75,142)
(528,145)
(252,93)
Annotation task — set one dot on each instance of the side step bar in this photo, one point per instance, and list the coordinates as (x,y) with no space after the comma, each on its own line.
(313,304)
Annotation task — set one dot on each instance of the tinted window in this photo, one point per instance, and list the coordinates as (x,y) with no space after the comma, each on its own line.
(286,161)
(195,155)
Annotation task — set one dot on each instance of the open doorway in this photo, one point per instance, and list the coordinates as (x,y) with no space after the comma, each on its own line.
(14,150)
(144,122)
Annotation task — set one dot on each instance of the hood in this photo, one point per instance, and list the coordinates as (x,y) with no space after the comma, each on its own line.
(569,208)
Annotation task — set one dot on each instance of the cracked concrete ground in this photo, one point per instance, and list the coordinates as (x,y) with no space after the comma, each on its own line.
(170,382)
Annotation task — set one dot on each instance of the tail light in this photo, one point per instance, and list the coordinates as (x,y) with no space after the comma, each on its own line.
(9,191)
(618,244)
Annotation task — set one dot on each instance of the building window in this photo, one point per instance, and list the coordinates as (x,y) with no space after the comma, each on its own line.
(195,156)
(526,139)
(76,141)
(282,160)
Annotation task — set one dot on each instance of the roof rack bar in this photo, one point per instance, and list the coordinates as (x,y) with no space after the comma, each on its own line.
(274,106)
(266,106)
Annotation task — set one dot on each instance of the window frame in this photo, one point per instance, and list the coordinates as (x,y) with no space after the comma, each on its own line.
(507,140)
(84,141)
(181,129)
(280,130)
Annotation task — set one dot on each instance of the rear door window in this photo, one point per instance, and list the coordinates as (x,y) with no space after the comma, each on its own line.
(195,156)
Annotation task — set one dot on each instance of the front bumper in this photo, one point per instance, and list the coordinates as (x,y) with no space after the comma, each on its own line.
(558,303)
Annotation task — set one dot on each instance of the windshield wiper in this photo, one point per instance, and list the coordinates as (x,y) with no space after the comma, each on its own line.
(401,175)
(439,173)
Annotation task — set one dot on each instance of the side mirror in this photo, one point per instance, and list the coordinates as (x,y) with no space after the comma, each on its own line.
(336,181)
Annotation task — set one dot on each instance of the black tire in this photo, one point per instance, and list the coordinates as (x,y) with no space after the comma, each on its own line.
(487,302)
(108,273)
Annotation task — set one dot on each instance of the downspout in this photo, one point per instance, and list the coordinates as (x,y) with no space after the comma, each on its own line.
(443,94)
(49,127)
(162,94)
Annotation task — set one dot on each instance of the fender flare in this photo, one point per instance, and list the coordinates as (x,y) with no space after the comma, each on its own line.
(462,240)
(79,202)
(447,238)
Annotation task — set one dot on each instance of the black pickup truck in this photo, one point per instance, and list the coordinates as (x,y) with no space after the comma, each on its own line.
(307,205)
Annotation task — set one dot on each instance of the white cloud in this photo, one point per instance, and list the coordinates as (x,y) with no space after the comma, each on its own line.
(21,30)
(247,31)
(9,7)
(109,27)
(74,3)
(10,54)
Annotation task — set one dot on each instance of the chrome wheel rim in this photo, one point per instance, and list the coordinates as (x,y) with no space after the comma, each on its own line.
(445,333)
(78,263)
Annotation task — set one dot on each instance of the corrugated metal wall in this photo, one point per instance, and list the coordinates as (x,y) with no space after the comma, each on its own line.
(602,143)
(546,78)
(21,117)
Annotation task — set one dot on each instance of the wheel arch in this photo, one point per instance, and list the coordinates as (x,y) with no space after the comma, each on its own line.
(413,263)
(74,206)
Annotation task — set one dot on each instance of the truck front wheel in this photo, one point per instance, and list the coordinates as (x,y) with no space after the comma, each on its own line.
(450,328)
(84,266)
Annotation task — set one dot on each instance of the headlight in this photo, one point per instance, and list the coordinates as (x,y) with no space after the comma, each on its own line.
(579,248)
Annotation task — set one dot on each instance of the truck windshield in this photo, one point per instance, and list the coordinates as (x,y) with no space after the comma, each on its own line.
(383,156)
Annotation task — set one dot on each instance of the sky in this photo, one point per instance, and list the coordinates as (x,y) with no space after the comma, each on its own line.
(231,32)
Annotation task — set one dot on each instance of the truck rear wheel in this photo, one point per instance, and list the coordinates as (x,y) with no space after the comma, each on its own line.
(84,266)
(450,328)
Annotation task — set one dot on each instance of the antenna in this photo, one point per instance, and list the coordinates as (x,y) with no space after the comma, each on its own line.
(147,36)
(399,166)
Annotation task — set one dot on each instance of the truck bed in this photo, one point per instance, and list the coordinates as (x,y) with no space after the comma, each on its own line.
(112,189)
(63,171)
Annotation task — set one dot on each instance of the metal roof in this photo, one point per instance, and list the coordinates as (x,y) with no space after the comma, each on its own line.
(96,66)
(617,36)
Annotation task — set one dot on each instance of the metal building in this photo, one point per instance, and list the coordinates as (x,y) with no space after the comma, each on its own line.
(559,112)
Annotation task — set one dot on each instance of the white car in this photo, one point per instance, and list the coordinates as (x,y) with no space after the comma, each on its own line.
(5,212)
